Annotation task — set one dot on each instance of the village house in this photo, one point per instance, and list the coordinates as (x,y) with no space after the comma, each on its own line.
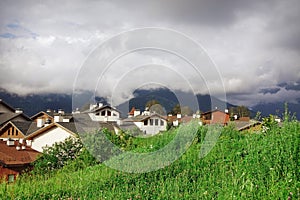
(104,113)
(8,113)
(15,130)
(215,117)
(51,116)
(15,157)
(148,123)
(49,134)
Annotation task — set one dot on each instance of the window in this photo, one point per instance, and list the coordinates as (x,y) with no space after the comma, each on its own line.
(162,122)
(146,122)
(156,122)
(103,113)
(12,130)
(8,132)
(97,114)
(17,132)
(151,122)
(108,113)
(11,178)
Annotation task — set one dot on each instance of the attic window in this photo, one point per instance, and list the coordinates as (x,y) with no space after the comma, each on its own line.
(151,122)
(156,122)
(146,123)
(108,113)
(17,132)
(97,114)
(11,178)
(8,132)
(161,122)
(103,113)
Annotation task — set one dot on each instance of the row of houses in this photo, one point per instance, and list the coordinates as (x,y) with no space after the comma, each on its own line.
(23,138)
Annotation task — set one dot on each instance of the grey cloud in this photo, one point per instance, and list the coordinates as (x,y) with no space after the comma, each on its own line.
(269,90)
(255,44)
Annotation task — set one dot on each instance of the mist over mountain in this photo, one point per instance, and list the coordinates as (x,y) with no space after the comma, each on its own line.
(31,104)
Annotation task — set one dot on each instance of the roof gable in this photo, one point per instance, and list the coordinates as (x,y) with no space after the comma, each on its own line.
(4,107)
(9,155)
(67,126)
(41,113)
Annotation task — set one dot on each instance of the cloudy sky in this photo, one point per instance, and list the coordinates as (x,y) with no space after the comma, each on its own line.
(253,45)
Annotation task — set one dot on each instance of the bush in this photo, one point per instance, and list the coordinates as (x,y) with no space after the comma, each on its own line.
(58,155)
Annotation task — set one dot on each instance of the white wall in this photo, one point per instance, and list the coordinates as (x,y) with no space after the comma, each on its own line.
(49,137)
(152,129)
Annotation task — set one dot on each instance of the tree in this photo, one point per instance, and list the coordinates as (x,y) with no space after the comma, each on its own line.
(241,111)
(184,110)
(151,103)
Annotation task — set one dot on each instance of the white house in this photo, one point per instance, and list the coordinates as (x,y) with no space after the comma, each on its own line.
(104,113)
(150,124)
(50,134)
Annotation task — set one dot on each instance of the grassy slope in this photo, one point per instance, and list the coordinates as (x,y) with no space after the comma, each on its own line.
(240,166)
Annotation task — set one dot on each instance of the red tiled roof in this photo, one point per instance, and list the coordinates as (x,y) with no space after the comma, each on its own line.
(132,111)
(9,155)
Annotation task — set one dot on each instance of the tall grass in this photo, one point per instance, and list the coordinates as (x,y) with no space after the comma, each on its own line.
(241,166)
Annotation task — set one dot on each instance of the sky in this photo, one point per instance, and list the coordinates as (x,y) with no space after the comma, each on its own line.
(251,49)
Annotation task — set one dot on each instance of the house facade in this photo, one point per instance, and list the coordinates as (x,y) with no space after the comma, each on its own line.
(15,130)
(50,134)
(215,117)
(105,113)
(150,124)
(15,157)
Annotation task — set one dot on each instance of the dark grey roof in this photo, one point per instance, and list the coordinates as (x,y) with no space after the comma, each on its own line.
(241,125)
(128,126)
(140,118)
(103,107)
(26,127)
(85,124)
(69,125)
(7,105)
(6,117)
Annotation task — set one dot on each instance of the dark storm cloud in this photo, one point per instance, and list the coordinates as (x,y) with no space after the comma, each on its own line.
(255,43)
(269,90)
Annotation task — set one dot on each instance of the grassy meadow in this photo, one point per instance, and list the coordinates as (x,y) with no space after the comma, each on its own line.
(242,165)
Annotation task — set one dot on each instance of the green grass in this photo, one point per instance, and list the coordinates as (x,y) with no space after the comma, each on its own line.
(240,166)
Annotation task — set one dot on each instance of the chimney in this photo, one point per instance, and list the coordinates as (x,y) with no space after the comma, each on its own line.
(136,113)
(61,111)
(100,105)
(18,110)
(28,143)
(10,142)
(92,106)
(40,122)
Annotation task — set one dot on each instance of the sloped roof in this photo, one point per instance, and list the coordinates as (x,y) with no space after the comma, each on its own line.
(68,126)
(103,107)
(212,111)
(242,125)
(140,118)
(26,127)
(132,111)
(50,114)
(7,105)
(84,123)
(5,117)
(9,155)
